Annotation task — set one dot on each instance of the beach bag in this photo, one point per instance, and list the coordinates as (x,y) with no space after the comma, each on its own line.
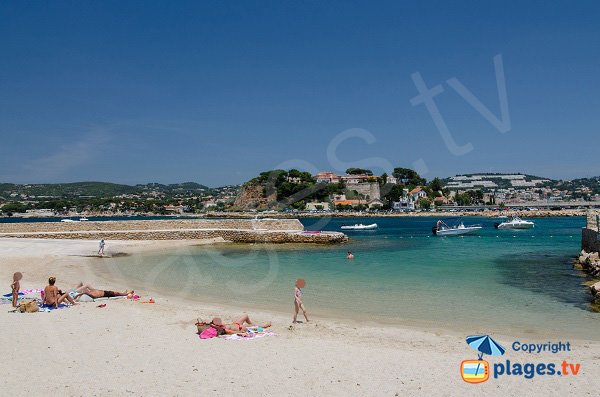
(202,327)
(208,333)
(29,306)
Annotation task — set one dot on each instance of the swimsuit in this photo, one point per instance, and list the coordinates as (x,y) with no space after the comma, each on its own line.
(109,294)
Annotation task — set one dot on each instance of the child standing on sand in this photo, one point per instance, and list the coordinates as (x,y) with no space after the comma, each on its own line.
(101,250)
(15,287)
(298,305)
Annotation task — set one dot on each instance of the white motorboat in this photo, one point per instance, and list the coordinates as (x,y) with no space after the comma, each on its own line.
(515,223)
(84,219)
(360,226)
(443,229)
(68,220)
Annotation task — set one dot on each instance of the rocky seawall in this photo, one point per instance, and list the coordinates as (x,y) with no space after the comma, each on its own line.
(589,262)
(233,230)
(589,258)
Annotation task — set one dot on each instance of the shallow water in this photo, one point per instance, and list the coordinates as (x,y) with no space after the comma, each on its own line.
(499,280)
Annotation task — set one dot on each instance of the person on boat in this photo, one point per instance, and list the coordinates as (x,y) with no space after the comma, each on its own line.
(53,296)
(298,304)
(240,326)
(349,255)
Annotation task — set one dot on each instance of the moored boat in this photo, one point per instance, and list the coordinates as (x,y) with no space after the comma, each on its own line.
(359,226)
(441,228)
(515,223)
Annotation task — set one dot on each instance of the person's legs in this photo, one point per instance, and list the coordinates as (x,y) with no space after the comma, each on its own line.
(83,287)
(244,319)
(304,311)
(295,312)
(64,297)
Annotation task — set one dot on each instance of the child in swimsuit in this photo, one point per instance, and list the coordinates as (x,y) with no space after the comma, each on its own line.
(15,287)
(298,304)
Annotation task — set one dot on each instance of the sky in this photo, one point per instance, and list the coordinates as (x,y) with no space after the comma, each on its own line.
(138,91)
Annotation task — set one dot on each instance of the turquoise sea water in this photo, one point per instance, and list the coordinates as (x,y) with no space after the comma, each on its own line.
(498,280)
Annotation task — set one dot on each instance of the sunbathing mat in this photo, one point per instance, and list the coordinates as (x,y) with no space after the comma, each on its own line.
(250,336)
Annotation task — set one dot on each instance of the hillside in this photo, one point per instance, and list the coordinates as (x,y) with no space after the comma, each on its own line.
(486,181)
(94,189)
(279,189)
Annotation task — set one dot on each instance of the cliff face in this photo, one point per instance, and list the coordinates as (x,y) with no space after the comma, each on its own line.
(253,196)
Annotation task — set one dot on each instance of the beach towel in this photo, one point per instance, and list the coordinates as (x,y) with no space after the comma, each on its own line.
(48,308)
(9,295)
(250,335)
(86,298)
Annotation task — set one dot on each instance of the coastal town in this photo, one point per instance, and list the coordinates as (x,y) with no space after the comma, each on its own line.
(401,191)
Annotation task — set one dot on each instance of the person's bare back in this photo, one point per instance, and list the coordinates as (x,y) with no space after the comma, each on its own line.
(53,296)
(50,295)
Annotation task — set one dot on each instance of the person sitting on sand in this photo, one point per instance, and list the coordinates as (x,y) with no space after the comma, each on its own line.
(97,293)
(236,327)
(53,296)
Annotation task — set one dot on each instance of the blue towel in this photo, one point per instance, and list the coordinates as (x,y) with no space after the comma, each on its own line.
(51,307)
(10,294)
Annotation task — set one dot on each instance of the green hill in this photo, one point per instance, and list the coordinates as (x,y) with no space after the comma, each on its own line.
(95,189)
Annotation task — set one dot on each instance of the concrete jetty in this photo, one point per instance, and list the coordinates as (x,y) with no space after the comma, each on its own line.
(234,230)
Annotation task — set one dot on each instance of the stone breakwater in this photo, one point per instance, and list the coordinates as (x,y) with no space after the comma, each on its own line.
(589,258)
(233,230)
(589,262)
(590,235)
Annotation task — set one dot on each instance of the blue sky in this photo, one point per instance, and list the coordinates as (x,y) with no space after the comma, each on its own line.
(138,92)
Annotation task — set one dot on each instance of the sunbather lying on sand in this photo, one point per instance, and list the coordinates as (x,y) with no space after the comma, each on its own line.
(236,327)
(97,293)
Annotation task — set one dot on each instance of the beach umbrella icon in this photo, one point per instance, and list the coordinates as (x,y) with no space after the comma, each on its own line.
(485,345)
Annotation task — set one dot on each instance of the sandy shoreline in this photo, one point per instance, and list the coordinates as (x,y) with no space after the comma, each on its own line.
(129,348)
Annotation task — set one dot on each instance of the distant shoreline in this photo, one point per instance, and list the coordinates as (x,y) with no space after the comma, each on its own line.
(295,215)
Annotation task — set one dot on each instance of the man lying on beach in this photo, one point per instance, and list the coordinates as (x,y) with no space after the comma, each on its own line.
(53,296)
(236,327)
(97,293)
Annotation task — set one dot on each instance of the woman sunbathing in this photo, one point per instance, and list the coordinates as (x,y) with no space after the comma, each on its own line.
(236,327)
(97,293)
(53,296)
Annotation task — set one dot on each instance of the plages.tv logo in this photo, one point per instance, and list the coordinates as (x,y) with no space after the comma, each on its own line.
(478,371)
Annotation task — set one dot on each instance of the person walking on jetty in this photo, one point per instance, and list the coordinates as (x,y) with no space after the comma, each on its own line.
(298,304)
(101,250)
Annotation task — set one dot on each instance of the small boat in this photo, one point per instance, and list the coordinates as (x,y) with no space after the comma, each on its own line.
(67,220)
(515,223)
(84,219)
(360,226)
(441,228)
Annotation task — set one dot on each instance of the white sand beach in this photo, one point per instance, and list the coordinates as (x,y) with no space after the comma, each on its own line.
(129,348)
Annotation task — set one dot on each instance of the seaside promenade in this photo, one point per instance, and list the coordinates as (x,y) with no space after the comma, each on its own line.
(230,230)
